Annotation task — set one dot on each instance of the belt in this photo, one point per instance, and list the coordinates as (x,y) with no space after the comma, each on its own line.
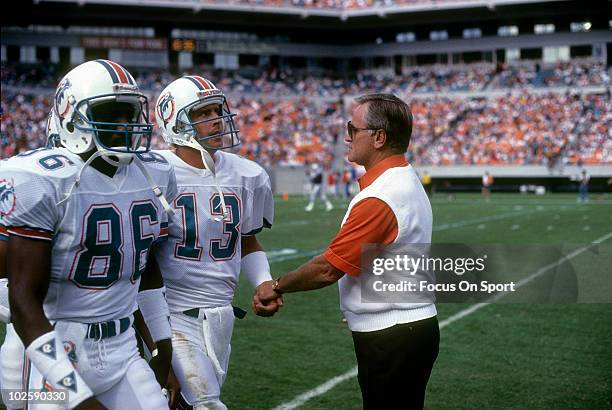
(195,312)
(103,330)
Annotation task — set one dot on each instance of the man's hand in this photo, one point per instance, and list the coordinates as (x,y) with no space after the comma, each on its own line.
(266,301)
(174,389)
(266,309)
(90,404)
(265,293)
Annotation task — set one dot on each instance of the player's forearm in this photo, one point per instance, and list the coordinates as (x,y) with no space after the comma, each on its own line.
(160,352)
(29,320)
(152,301)
(143,330)
(27,289)
(27,312)
(314,274)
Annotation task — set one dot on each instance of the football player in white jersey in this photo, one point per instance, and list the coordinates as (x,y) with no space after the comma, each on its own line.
(223,200)
(81,220)
(12,350)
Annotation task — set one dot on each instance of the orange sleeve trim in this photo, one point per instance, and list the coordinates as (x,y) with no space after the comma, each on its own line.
(371,221)
(340,264)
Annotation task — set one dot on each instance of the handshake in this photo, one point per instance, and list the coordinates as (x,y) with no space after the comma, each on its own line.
(266,300)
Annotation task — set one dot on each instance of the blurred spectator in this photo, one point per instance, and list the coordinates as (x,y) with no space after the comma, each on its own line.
(583,189)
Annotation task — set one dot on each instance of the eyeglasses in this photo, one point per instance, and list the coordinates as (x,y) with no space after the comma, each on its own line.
(351,129)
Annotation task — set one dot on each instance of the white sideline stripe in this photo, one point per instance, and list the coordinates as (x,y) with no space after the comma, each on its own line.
(498,217)
(283,258)
(318,391)
(331,383)
(438,228)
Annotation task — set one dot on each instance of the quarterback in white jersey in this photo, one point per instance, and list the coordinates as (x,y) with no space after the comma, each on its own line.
(201,260)
(223,200)
(81,221)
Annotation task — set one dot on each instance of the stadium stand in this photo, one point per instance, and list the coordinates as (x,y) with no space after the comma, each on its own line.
(519,129)
(291,119)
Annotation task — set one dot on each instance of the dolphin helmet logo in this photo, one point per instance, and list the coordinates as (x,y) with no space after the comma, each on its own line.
(165,107)
(62,103)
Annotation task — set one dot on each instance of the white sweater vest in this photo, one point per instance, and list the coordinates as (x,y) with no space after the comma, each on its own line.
(401,190)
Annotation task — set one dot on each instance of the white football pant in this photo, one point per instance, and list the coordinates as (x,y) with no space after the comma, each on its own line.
(199,375)
(111,367)
(11,362)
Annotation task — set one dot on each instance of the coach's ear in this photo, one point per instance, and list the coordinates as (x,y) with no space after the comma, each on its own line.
(379,138)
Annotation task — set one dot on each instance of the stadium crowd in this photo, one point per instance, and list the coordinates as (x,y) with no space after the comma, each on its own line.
(420,79)
(515,130)
(528,128)
(576,74)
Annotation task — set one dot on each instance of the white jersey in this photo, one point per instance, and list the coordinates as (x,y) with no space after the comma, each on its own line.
(100,237)
(200,262)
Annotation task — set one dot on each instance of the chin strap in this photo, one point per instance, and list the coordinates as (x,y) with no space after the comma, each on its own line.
(76,182)
(156,189)
(104,154)
(209,164)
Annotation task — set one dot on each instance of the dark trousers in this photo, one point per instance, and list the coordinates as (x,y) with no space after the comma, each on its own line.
(395,363)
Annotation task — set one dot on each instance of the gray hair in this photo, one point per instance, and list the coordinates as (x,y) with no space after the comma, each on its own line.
(390,113)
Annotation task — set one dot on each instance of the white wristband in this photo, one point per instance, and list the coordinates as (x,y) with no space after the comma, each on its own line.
(154,308)
(47,353)
(256,267)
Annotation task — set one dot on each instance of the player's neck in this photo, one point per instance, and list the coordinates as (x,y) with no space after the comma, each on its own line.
(192,156)
(100,165)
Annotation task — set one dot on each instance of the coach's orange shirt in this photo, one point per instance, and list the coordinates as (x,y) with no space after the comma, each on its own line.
(371,221)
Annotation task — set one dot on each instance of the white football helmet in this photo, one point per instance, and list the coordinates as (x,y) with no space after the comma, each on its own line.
(173,112)
(180,99)
(88,102)
(99,106)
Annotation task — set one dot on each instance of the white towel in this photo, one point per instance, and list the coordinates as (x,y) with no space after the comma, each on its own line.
(217,330)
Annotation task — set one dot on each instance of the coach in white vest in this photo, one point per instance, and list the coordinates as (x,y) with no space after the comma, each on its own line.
(396,344)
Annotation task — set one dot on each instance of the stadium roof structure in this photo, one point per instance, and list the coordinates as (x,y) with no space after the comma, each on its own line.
(342,9)
(306,22)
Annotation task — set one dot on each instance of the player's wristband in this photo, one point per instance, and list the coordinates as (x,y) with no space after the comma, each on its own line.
(47,353)
(154,308)
(256,267)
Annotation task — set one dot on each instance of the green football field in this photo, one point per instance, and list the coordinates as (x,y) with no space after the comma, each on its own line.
(491,356)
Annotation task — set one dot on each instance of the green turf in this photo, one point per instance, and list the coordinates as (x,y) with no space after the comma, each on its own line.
(501,356)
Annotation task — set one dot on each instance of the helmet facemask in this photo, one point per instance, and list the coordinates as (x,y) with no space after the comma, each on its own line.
(214,116)
(119,124)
